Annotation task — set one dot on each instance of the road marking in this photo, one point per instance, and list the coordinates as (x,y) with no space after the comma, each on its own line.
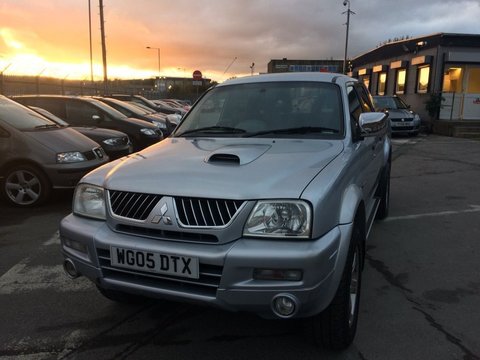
(54,240)
(473,209)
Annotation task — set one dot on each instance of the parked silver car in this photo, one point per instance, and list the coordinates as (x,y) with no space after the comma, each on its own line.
(37,154)
(403,120)
(260,201)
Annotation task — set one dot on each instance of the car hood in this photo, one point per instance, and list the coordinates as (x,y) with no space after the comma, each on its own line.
(399,114)
(62,140)
(220,168)
(97,133)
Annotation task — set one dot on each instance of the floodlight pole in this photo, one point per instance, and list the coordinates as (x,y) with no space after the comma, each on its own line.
(104,49)
(348,12)
(90,38)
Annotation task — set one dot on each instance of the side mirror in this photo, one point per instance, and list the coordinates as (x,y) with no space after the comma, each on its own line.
(373,124)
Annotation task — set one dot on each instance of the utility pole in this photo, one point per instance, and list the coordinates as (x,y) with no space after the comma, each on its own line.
(348,12)
(90,37)
(104,49)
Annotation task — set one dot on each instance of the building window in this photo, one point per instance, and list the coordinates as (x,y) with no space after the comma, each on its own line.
(473,86)
(423,79)
(452,80)
(382,83)
(400,83)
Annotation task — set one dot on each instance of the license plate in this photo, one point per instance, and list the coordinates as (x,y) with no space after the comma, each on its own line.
(401,124)
(154,262)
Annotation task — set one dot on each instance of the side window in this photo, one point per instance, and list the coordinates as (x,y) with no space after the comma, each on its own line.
(353,103)
(81,113)
(55,106)
(365,99)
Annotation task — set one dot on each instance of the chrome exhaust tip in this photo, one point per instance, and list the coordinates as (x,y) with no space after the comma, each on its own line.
(70,269)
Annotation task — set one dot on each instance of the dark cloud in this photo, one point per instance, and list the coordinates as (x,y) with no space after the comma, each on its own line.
(259,30)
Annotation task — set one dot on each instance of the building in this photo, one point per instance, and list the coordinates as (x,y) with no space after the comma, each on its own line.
(446,65)
(286,65)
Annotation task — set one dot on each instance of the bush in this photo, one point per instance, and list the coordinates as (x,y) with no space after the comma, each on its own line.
(434,104)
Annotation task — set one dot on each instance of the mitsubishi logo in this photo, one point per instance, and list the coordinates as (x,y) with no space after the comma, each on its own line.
(167,220)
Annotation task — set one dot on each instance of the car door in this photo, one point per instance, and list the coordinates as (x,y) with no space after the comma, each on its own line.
(82,113)
(368,149)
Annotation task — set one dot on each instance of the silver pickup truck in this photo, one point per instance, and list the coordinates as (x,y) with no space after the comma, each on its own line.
(261,201)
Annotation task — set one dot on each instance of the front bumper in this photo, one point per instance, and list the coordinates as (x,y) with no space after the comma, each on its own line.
(226,270)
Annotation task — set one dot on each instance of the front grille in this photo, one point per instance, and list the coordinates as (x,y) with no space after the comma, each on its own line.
(166,234)
(400,120)
(94,154)
(132,205)
(206,285)
(192,212)
(197,212)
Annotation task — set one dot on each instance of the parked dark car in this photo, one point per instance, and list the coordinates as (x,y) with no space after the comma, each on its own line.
(85,111)
(142,100)
(115,143)
(403,120)
(38,155)
(131,110)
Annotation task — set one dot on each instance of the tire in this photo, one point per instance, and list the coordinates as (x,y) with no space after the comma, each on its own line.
(122,297)
(25,186)
(383,208)
(335,327)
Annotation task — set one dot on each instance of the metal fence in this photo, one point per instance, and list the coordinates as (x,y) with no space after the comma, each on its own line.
(11,85)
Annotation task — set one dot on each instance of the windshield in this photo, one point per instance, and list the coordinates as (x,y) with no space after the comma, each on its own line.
(114,113)
(124,107)
(273,109)
(389,103)
(21,117)
(144,108)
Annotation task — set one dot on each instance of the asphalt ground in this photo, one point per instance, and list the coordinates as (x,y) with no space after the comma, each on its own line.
(420,296)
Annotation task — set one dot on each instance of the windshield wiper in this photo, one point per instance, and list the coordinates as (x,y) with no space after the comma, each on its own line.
(213,129)
(295,130)
(47,126)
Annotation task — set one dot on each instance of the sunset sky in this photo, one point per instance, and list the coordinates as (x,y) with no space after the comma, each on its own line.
(51,38)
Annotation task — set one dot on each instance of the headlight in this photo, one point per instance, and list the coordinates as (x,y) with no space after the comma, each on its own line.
(113,141)
(70,157)
(416,117)
(279,218)
(89,200)
(159,124)
(148,132)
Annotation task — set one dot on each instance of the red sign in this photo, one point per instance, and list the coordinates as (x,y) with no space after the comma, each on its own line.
(197,75)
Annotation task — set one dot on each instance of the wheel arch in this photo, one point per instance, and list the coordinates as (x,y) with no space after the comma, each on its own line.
(22,161)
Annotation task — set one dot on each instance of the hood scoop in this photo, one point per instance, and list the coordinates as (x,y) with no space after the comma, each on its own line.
(236,154)
(224,159)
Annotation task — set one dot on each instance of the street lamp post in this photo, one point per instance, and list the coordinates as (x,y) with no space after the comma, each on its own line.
(348,12)
(158,54)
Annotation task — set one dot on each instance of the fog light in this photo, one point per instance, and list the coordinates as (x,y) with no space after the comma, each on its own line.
(75,245)
(277,274)
(284,305)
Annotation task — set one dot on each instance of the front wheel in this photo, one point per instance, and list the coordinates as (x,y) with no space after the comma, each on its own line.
(25,186)
(335,327)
